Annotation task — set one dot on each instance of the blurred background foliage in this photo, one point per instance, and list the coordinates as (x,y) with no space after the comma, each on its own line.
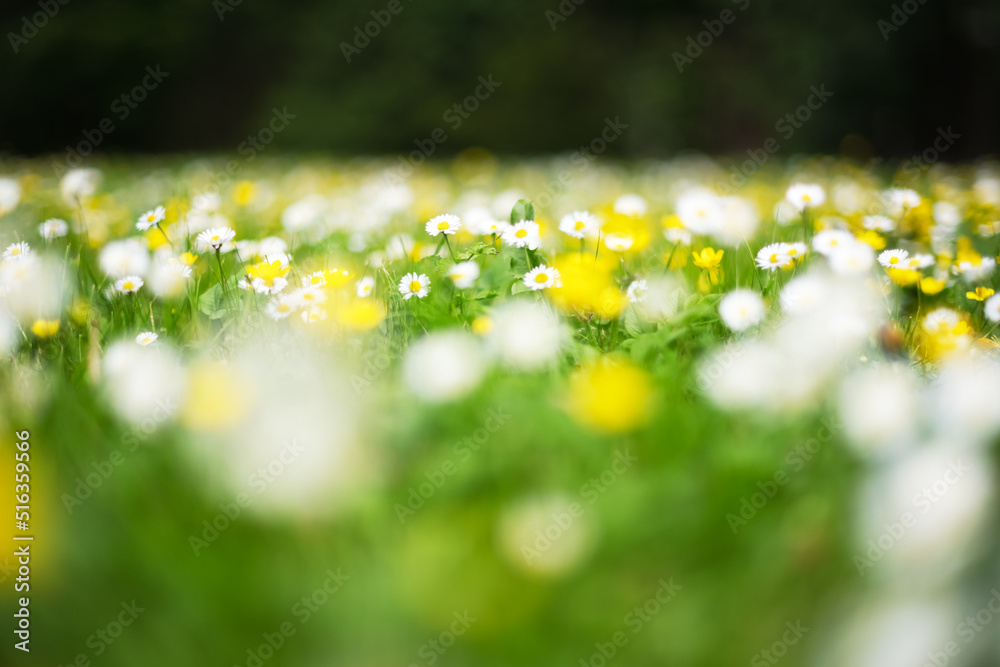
(605,59)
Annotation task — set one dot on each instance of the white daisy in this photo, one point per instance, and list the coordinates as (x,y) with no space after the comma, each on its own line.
(10,195)
(488,226)
(279,308)
(523,235)
(878,223)
(443,224)
(741,309)
(895,258)
(579,224)
(631,205)
(146,338)
(79,183)
(920,261)
(364,286)
(308,296)
(701,211)
(314,279)
(53,228)
(169,277)
(797,250)
(216,238)
(805,195)
(974,272)
(903,198)
(851,259)
(414,285)
(128,284)
(617,242)
(774,256)
(636,291)
(207,201)
(829,241)
(542,277)
(313,314)
(16,251)
(677,235)
(125,257)
(941,319)
(992,308)
(464,274)
(151,218)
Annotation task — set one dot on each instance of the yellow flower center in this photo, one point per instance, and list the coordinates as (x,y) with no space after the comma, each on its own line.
(894,260)
(442,225)
(579,225)
(521,233)
(415,286)
(315,280)
(774,258)
(127,285)
(541,277)
(284,307)
(151,217)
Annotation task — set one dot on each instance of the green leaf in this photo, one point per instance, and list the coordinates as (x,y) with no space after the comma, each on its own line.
(212,302)
(523,210)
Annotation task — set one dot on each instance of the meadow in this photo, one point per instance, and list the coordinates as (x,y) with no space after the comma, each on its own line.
(502,412)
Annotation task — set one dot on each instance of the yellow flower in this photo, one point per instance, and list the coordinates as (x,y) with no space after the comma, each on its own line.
(872,238)
(245,193)
(931,285)
(188,258)
(587,286)
(708,259)
(482,325)
(338,277)
(981,294)
(217,397)
(629,228)
(966,253)
(904,277)
(357,314)
(268,271)
(611,395)
(45,328)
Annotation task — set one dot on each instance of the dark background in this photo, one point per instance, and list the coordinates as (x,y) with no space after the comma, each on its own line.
(612,59)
